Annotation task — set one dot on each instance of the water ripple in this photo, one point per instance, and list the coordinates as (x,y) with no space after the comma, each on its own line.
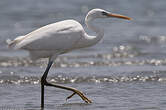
(105,59)
(64,62)
(153,39)
(14,79)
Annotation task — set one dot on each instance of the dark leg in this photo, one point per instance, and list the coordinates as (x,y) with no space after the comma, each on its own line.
(43,81)
(42,95)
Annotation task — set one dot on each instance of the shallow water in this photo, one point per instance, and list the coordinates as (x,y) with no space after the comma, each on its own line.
(125,71)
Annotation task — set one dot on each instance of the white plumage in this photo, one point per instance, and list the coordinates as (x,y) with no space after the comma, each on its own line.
(58,38)
(61,37)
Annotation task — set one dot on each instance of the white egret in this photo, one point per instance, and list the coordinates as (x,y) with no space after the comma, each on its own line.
(59,38)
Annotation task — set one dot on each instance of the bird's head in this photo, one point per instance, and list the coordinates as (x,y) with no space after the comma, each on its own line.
(100,13)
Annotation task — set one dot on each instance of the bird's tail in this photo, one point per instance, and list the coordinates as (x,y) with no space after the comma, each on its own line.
(12,43)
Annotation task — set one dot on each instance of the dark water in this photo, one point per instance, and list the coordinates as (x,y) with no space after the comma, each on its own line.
(125,71)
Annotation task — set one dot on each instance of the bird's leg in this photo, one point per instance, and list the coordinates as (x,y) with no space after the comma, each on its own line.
(71,89)
(44,81)
(70,96)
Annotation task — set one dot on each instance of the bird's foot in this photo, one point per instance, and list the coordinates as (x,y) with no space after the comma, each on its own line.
(81,95)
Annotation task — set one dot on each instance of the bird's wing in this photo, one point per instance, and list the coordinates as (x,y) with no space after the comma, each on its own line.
(60,36)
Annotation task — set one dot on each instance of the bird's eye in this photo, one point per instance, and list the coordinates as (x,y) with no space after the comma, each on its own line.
(104,13)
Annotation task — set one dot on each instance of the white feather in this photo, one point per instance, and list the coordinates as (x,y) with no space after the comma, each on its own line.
(60,37)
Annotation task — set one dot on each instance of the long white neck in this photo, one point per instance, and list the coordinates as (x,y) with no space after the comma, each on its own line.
(92,40)
(90,25)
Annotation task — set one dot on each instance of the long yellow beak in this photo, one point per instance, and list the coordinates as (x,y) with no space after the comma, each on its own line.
(119,16)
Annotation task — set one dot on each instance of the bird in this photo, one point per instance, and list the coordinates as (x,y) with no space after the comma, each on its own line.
(62,37)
